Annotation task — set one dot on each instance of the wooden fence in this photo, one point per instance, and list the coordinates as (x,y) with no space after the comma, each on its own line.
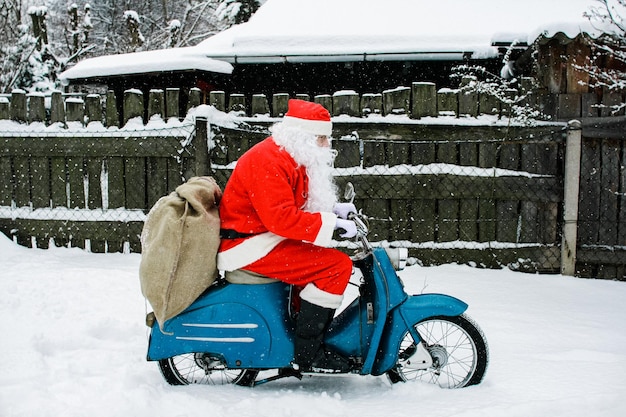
(489,195)
(602,204)
(421,99)
(90,188)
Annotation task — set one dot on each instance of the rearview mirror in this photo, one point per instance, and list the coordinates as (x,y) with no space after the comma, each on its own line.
(349,193)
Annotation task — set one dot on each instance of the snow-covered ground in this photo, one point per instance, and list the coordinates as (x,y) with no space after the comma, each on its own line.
(73,343)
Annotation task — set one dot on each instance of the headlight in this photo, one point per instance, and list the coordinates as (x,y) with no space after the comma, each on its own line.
(398,257)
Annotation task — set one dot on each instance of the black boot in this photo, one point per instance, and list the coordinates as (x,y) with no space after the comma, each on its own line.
(310,352)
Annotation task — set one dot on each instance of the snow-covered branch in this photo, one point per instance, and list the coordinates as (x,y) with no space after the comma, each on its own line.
(606,65)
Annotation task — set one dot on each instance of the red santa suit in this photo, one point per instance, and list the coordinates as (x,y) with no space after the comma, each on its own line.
(276,227)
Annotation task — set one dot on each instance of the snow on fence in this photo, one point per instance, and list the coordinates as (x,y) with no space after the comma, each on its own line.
(449,189)
(421,99)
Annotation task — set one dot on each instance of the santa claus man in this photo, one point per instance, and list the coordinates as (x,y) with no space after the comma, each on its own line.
(278,213)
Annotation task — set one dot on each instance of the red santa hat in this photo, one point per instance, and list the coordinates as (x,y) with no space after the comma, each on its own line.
(310,117)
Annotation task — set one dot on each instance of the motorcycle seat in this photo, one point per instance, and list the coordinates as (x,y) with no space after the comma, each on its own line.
(239,276)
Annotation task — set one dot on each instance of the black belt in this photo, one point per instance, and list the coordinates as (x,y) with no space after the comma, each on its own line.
(233,234)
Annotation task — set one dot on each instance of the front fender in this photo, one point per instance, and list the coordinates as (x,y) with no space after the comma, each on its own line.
(402,319)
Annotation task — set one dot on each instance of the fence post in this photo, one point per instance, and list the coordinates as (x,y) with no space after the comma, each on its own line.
(5,108)
(156,104)
(111,113)
(237,104)
(424,100)
(447,102)
(217,99)
(346,102)
(133,105)
(93,108)
(468,103)
(488,104)
(18,106)
(570,197)
(75,110)
(201,148)
(172,103)
(36,108)
(371,104)
(195,98)
(280,104)
(259,105)
(397,101)
(57,108)
(326,101)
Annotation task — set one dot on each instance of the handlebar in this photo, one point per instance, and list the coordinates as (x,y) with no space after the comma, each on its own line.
(361,229)
(398,257)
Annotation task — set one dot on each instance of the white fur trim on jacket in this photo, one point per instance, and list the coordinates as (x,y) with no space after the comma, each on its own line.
(248,251)
(314,295)
(325,235)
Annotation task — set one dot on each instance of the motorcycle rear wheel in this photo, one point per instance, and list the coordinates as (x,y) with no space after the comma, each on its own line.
(201,368)
(457,346)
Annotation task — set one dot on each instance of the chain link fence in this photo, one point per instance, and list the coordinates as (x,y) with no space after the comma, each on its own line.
(485,195)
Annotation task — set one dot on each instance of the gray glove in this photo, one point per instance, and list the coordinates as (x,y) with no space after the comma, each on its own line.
(343,209)
(348,225)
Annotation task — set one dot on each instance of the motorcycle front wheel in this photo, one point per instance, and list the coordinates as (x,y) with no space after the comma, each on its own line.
(457,347)
(204,369)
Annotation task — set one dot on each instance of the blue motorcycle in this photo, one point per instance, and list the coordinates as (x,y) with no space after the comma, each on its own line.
(240,331)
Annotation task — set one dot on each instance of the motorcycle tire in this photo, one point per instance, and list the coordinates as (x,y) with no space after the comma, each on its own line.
(457,346)
(200,368)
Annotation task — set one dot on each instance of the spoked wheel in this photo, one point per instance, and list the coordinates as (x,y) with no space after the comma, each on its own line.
(202,368)
(458,349)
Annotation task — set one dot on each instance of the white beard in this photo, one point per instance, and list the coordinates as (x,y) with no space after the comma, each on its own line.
(318,162)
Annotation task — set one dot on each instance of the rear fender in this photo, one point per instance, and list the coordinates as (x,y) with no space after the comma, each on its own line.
(248,326)
(401,320)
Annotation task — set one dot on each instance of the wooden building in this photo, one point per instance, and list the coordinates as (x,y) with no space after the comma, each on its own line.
(326,46)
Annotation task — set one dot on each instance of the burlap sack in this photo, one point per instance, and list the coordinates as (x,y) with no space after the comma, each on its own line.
(180,239)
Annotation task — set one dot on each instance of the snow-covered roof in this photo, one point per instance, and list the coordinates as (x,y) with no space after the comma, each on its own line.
(348,30)
(356,30)
(175,59)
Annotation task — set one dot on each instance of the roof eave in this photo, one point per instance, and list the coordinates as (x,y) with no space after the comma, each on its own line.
(354,57)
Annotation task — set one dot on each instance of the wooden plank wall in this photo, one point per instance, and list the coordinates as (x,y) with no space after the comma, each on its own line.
(602,203)
(90,176)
